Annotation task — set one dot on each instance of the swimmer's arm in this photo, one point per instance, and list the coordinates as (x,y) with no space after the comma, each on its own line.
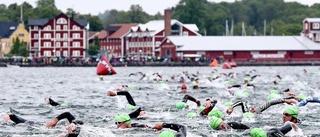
(287,127)
(188,97)
(181,129)
(53,103)
(271,103)
(16,119)
(238,125)
(54,122)
(139,125)
(135,113)
(128,96)
(238,103)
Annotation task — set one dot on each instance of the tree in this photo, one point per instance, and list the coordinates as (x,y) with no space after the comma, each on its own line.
(96,42)
(19,48)
(93,50)
(46,4)
(95,22)
(136,14)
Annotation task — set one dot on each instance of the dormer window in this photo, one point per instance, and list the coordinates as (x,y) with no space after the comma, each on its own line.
(62,21)
(315,26)
(75,27)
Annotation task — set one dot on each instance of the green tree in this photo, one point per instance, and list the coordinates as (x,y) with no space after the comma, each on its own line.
(46,4)
(96,42)
(18,48)
(95,23)
(137,15)
(93,50)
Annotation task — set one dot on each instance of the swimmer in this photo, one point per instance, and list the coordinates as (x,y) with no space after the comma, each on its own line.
(184,88)
(124,120)
(180,129)
(209,105)
(74,125)
(183,103)
(219,124)
(54,103)
(301,98)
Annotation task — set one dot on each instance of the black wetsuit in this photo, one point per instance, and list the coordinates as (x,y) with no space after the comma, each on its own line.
(280,132)
(53,103)
(16,119)
(237,125)
(181,130)
(188,97)
(206,111)
(128,96)
(135,114)
(71,119)
(261,108)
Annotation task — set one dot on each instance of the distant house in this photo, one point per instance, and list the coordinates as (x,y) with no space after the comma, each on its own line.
(8,32)
(311,28)
(113,38)
(145,39)
(241,47)
(60,36)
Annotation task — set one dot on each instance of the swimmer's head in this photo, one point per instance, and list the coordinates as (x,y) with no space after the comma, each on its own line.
(6,117)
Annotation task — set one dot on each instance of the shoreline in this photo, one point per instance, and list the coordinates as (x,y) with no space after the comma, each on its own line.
(157,64)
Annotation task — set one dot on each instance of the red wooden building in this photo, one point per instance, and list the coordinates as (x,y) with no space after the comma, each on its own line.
(113,38)
(144,39)
(60,36)
(311,29)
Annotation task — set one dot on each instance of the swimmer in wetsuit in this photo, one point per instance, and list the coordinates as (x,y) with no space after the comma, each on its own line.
(181,129)
(123,93)
(183,103)
(74,125)
(16,119)
(124,120)
(301,98)
(219,124)
(209,105)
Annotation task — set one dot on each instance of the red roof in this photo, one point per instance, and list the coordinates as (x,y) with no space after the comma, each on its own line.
(125,28)
(102,34)
(93,34)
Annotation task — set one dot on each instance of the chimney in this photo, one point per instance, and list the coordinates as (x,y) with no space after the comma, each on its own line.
(167,22)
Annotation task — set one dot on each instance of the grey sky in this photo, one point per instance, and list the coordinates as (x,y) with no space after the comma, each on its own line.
(96,6)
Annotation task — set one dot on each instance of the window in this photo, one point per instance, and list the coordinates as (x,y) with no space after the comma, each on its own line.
(185,33)
(35,27)
(308,52)
(21,35)
(35,36)
(65,53)
(65,27)
(306,26)
(3,46)
(58,35)
(75,35)
(47,35)
(74,27)
(58,44)
(76,44)
(76,53)
(58,27)
(47,53)
(47,44)
(158,43)
(168,52)
(65,35)
(47,28)
(227,53)
(65,44)
(315,26)
(62,21)
(36,44)
(58,53)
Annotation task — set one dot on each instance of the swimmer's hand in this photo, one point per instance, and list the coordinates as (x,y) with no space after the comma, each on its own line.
(158,126)
(52,123)
(71,127)
(111,93)
(142,113)
(229,110)
(229,87)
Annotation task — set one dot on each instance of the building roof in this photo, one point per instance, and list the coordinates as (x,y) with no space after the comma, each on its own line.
(312,19)
(7,28)
(93,34)
(113,28)
(242,43)
(41,22)
(125,28)
(155,26)
(102,34)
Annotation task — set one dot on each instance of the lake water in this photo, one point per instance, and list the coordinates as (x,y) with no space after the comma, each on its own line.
(23,91)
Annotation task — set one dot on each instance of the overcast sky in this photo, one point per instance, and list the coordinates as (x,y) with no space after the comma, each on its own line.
(96,6)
